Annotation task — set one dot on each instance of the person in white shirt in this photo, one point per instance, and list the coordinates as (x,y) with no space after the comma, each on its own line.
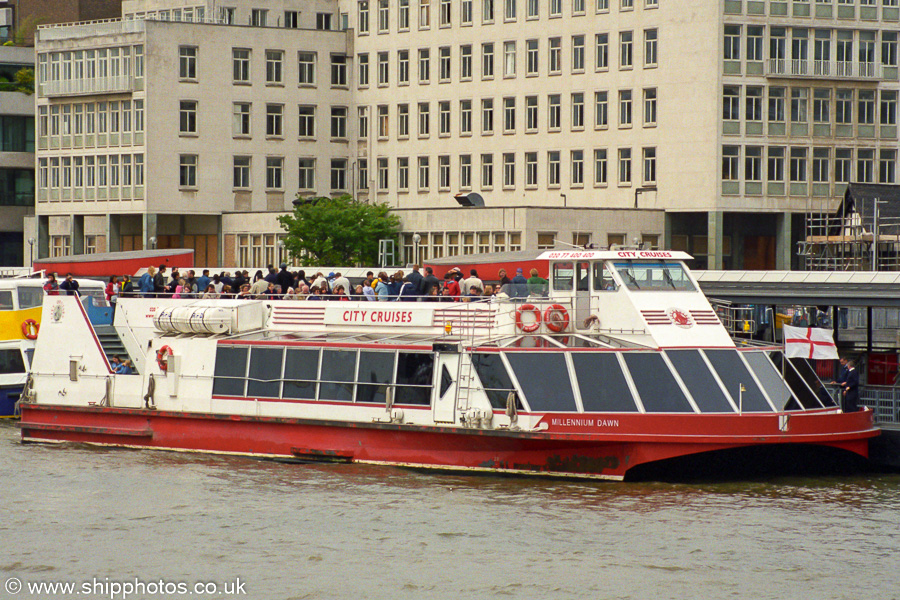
(472,281)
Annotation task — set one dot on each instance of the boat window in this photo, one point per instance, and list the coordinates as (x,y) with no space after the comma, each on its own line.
(446,380)
(603,279)
(301,369)
(11,361)
(494,378)
(807,388)
(338,375)
(583,276)
(734,374)
(544,378)
(655,383)
(264,378)
(602,384)
(231,371)
(654,276)
(376,371)
(29,297)
(700,382)
(769,378)
(563,276)
(6,300)
(415,374)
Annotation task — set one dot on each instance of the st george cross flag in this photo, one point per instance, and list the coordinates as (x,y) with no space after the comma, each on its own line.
(809,342)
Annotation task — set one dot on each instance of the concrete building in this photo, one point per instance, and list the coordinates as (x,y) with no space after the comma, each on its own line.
(712,127)
(19,18)
(16,157)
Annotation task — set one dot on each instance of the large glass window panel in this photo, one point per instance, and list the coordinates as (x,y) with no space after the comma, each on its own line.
(414,378)
(338,374)
(376,371)
(769,378)
(494,378)
(230,372)
(264,378)
(695,374)
(734,374)
(602,384)
(804,383)
(544,378)
(655,383)
(301,369)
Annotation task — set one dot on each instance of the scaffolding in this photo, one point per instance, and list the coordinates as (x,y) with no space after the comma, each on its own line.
(862,234)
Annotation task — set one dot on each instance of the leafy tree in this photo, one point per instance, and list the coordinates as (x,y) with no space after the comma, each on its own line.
(338,231)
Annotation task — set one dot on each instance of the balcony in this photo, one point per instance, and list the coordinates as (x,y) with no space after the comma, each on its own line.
(98,85)
(824,69)
(88,29)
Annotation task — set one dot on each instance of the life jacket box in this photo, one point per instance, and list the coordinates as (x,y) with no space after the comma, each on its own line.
(211,318)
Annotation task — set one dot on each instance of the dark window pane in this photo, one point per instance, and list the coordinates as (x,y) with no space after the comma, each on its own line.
(544,378)
(602,384)
(801,382)
(374,368)
(655,383)
(265,372)
(494,378)
(769,378)
(414,378)
(301,369)
(338,373)
(700,382)
(733,373)
(231,371)
(11,361)
(446,380)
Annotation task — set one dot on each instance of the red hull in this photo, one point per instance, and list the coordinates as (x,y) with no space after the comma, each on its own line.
(604,455)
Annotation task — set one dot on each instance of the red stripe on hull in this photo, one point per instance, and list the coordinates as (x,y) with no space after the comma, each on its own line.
(567,454)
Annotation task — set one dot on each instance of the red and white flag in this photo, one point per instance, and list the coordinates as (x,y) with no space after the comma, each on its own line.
(809,342)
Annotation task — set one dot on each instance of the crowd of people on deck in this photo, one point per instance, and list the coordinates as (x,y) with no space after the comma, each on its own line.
(282,284)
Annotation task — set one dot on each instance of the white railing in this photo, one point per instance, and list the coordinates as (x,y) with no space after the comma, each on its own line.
(98,85)
(823,68)
(66,31)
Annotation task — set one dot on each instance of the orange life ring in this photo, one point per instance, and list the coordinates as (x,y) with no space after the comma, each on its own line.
(162,357)
(556,317)
(30,328)
(528,327)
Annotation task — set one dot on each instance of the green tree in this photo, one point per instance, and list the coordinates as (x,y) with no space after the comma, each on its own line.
(338,231)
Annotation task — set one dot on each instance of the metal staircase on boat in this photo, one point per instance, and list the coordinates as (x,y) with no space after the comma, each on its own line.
(112,344)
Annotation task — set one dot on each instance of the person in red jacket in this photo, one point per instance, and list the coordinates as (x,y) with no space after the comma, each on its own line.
(451,283)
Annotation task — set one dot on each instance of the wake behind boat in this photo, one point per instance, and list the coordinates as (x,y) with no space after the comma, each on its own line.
(624,363)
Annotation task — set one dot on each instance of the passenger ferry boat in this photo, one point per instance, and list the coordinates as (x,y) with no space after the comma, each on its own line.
(20,321)
(623,364)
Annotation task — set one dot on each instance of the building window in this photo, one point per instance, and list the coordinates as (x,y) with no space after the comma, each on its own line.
(444,64)
(487,171)
(242,172)
(555,55)
(187,62)
(338,122)
(798,165)
(465,171)
(775,169)
(509,59)
(487,11)
(403,67)
(553,168)
(650,48)
(732,49)
(649,107)
(465,117)
(338,174)
(577,111)
(844,107)
(306,174)
(384,16)
(866,107)
(465,63)
(865,165)
(555,8)
(291,19)
(509,115)
(753,163)
(531,57)
(799,105)
(624,166)
(842,158)
(274,171)
(754,110)
(383,122)
(424,119)
(731,103)
(577,164)
(60,246)
(403,173)
(554,113)
(509,170)
(363,179)
(443,172)
(424,173)
(338,70)
(600,167)
(362,115)
(887,166)
(362,60)
(625,108)
(363,18)
(531,169)
(382,174)
(577,53)
(307,121)
(649,165)
(187,116)
(731,156)
(626,50)
(241,65)
(424,14)
(487,116)
(444,117)
(274,66)
(403,15)
(888,107)
(546,241)
(466,12)
(601,52)
(424,65)
(187,172)
(403,121)
(274,120)
(776,105)
(821,106)
(820,165)
(487,61)
(754,43)
(383,69)
(306,62)
(531,114)
(445,13)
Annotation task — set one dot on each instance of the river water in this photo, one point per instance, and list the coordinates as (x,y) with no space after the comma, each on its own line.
(272,531)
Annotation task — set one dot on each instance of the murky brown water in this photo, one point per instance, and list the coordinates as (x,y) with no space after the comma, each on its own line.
(74,513)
